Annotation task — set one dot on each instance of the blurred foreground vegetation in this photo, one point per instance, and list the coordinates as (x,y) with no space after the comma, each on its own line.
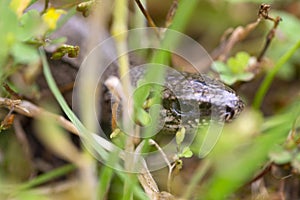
(256,157)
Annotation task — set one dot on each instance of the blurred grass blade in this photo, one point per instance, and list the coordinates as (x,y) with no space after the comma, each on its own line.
(88,139)
(54,89)
(228,178)
(264,87)
(106,175)
(52,85)
(243,160)
(57,140)
(200,172)
(49,176)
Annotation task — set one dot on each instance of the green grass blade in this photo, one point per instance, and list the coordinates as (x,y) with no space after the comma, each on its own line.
(44,178)
(54,89)
(264,87)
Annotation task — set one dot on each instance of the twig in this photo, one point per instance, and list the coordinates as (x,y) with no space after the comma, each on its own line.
(11,91)
(171,13)
(221,53)
(151,189)
(152,142)
(266,170)
(148,17)
(259,190)
(30,110)
(238,34)
(145,178)
(45,6)
(264,13)
(119,25)
(146,14)
(115,87)
(8,120)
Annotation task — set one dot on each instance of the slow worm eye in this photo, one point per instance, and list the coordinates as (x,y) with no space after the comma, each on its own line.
(229,113)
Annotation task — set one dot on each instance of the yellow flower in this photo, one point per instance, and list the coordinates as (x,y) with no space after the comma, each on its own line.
(51,17)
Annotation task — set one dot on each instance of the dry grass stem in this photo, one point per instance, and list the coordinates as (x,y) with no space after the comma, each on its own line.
(29,109)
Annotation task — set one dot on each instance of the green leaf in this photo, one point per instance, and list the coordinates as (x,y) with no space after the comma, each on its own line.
(233,65)
(281,157)
(31,26)
(10,24)
(115,133)
(24,53)
(186,153)
(220,67)
(228,79)
(296,162)
(60,40)
(238,63)
(143,117)
(141,94)
(8,29)
(243,59)
(245,76)
(235,69)
(180,136)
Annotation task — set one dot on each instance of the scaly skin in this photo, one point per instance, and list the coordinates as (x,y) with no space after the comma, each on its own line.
(192,99)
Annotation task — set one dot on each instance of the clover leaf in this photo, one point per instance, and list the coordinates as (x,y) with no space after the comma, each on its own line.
(235,69)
